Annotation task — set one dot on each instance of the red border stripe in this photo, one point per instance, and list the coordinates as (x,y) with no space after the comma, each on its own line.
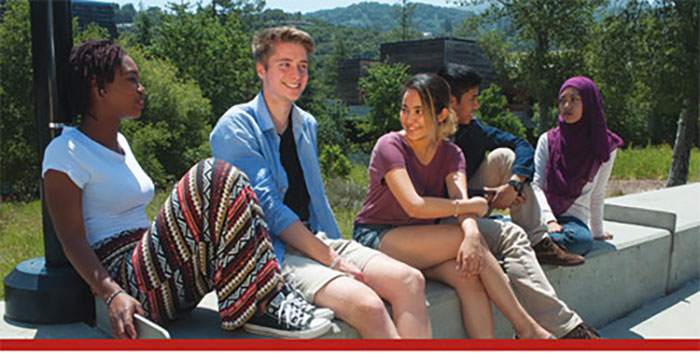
(351,345)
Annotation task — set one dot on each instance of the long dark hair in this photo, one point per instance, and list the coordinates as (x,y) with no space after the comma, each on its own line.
(434,94)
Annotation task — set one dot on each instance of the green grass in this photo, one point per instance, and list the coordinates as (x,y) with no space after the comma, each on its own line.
(346,196)
(651,163)
(20,223)
(21,235)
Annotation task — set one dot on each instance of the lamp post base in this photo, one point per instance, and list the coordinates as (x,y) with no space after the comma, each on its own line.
(35,293)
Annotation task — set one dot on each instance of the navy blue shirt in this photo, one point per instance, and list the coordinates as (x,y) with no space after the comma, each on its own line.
(476,138)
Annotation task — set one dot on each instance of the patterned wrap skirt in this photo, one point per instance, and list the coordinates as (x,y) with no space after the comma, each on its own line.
(210,234)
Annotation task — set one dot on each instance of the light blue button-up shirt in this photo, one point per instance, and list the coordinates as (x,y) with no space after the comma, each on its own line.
(245,136)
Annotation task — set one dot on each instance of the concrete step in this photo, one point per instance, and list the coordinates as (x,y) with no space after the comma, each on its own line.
(674,209)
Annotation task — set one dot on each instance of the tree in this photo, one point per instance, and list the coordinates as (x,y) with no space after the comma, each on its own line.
(125,14)
(404,30)
(554,32)
(216,54)
(19,142)
(91,32)
(144,26)
(382,88)
(682,19)
(331,64)
(172,133)
(240,6)
(646,60)
(613,56)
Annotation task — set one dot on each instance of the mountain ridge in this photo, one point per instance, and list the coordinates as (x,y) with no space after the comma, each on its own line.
(374,15)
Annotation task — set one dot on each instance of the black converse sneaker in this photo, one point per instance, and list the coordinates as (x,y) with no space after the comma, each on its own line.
(283,318)
(295,296)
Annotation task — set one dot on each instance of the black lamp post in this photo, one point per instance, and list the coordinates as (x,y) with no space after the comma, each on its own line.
(47,289)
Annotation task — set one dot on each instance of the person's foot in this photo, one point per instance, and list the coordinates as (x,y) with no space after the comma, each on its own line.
(548,252)
(283,318)
(295,296)
(582,331)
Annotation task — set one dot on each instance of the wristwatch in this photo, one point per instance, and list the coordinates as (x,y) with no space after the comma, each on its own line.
(517,185)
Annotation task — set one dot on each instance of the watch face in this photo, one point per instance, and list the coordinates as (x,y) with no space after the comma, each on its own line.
(517,185)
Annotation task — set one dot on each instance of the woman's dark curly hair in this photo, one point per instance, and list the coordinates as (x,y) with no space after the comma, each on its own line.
(91,60)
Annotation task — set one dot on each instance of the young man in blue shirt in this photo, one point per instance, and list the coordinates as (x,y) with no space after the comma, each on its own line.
(505,175)
(274,142)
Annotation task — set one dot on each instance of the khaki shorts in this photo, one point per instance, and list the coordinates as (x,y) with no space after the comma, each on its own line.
(309,276)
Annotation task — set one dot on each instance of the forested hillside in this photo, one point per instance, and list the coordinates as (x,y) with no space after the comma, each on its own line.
(372,15)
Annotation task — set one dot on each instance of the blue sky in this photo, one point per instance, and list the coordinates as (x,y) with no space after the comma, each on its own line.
(286,5)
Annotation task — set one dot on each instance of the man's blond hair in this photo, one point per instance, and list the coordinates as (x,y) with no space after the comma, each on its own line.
(265,40)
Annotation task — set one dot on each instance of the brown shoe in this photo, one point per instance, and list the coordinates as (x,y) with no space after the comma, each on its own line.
(548,252)
(582,331)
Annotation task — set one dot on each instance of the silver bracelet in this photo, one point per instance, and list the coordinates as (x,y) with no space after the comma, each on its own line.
(456,208)
(334,263)
(111,297)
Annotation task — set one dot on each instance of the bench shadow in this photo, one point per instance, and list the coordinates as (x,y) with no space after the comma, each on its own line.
(623,327)
(78,330)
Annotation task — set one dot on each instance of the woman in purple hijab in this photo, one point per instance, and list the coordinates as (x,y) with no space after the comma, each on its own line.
(573,163)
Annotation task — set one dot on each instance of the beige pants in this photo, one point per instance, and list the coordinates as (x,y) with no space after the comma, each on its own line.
(509,243)
(496,170)
(512,244)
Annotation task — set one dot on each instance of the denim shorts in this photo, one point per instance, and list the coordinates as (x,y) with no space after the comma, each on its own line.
(370,234)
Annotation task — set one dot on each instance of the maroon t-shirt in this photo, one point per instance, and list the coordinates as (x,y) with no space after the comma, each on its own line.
(392,152)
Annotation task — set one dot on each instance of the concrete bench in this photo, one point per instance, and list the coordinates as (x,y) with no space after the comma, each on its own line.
(655,249)
(674,209)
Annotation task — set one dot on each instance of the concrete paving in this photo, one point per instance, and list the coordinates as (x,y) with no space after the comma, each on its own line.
(676,316)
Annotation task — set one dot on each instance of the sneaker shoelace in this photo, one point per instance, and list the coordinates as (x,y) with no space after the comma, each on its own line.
(291,315)
(295,297)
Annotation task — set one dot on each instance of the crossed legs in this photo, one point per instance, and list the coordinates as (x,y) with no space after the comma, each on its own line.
(433,248)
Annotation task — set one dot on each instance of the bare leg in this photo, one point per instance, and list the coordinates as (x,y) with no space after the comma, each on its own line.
(404,288)
(429,246)
(433,248)
(357,305)
(476,307)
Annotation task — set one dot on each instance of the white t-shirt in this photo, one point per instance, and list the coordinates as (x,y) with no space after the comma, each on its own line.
(588,207)
(115,190)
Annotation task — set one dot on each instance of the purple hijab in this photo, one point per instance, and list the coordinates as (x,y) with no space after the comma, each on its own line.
(577,150)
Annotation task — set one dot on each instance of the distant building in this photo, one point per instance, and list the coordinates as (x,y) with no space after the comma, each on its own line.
(349,74)
(99,13)
(87,12)
(429,55)
(420,56)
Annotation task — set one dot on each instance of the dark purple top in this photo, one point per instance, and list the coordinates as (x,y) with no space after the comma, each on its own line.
(392,152)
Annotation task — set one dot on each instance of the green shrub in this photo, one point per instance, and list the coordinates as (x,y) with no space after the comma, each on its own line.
(19,141)
(494,113)
(332,128)
(382,87)
(333,162)
(173,131)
